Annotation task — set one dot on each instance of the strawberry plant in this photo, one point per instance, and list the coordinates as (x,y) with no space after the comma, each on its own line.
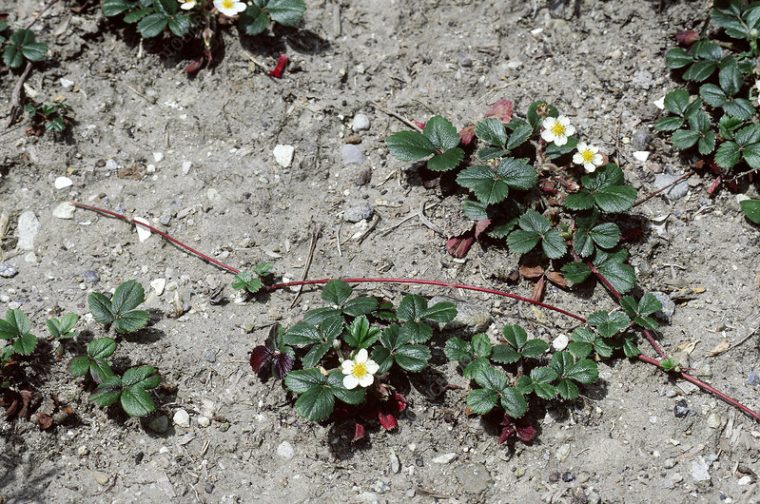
(20,47)
(550,197)
(714,113)
(54,117)
(16,331)
(203,19)
(62,328)
(119,310)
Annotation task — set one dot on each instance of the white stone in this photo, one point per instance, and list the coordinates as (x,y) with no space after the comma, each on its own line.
(700,469)
(560,342)
(186,165)
(285,450)
(151,168)
(158,285)
(283,154)
(360,123)
(66,83)
(28,227)
(641,155)
(143,233)
(63,182)
(64,210)
(112,165)
(203,421)
(445,458)
(158,157)
(181,418)
(660,104)
(744,480)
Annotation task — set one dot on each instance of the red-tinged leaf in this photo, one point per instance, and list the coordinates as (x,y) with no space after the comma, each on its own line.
(538,289)
(467,135)
(283,363)
(399,401)
(714,186)
(194,66)
(685,38)
(526,433)
(419,124)
(531,272)
(501,109)
(557,279)
(359,432)
(570,184)
(548,186)
(278,70)
(44,421)
(261,356)
(480,227)
(387,420)
(714,168)
(508,430)
(459,246)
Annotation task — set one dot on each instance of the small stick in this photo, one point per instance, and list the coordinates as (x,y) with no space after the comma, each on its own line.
(337,239)
(17,96)
(396,116)
(658,191)
(312,246)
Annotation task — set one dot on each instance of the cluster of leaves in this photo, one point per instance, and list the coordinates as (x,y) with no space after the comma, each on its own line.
(20,46)
(119,311)
(252,281)
(526,192)
(395,339)
(155,17)
(54,117)
(130,389)
(720,120)
(16,331)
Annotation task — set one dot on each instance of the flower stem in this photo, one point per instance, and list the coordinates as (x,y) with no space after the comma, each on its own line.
(410,281)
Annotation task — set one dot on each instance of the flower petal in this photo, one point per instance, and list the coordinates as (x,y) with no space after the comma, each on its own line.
(350,382)
(372,366)
(569,129)
(548,122)
(578,158)
(560,140)
(347,367)
(361,356)
(366,380)
(547,135)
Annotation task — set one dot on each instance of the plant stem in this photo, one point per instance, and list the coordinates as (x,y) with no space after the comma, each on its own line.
(662,189)
(410,281)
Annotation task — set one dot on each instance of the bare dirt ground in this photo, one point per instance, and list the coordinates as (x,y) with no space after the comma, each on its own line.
(140,119)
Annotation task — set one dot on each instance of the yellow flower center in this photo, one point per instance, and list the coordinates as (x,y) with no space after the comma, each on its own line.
(558,129)
(228,4)
(360,370)
(588,156)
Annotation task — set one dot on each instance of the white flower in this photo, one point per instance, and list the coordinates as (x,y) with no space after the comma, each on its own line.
(588,156)
(557,129)
(359,371)
(187,4)
(230,8)
(757,86)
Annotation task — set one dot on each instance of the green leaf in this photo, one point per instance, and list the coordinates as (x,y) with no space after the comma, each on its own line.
(707,49)
(751,155)
(606,235)
(534,119)
(136,15)
(482,401)
(100,370)
(576,272)
(22,45)
(648,304)
(475,210)
(131,321)
(515,336)
(136,402)
(248,281)
(583,371)
(101,348)
(730,77)
(446,161)
(126,297)
(115,7)
(336,292)
(486,153)
(580,350)
(316,403)
(748,135)
(521,132)
(492,132)
(145,377)
(457,349)
(490,377)
(360,334)
(609,324)
(441,133)
(418,332)
(25,344)
(315,354)
(541,378)
(751,209)
(517,173)
(412,358)
(670,123)
(412,307)
(727,155)
(286,12)
(179,24)
(505,354)
(630,349)
(613,268)
(484,183)
(79,366)
(361,305)
(440,312)
(568,390)
(615,199)
(105,397)
(303,379)
(410,146)
(534,348)
(553,244)
(677,58)
(582,200)
(740,108)
(513,403)
(152,25)
(391,337)
(712,95)
(685,139)
(168,7)
(522,242)
(383,358)
(353,396)
(706,144)
(700,71)
(481,345)
(676,101)
(254,20)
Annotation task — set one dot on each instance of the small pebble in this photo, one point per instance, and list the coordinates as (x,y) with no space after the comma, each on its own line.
(283,155)
(352,154)
(203,421)
(158,157)
(181,418)
(209,355)
(358,213)
(64,211)
(360,123)
(640,140)
(713,421)
(63,182)
(7,270)
(395,463)
(669,463)
(562,452)
(90,276)
(159,424)
(641,156)
(560,342)
(285,450)
(158,285)
(675,192)
(668,307)
(567,477)
(753,378)
(186,165)
(445,458)
(681,409)
(66,83)
(143,233)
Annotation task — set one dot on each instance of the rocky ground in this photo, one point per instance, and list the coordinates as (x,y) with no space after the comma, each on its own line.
(199,158)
